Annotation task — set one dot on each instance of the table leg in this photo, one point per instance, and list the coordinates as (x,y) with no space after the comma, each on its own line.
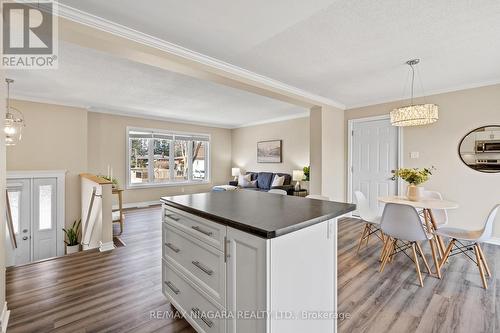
(434,243)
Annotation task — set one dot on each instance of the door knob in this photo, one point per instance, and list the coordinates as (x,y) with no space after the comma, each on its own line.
(25,237)
(25,230)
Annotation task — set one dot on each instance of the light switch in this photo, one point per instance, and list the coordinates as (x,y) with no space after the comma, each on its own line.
(414,154)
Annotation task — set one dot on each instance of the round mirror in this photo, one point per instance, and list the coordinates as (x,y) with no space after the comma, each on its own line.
(480,149)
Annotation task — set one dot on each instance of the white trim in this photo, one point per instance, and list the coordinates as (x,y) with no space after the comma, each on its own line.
(276,120)
(4,319)
(425,95)
(61,197)
(166,119)
(350,126)
(108,246)
(102,24)
(493,241)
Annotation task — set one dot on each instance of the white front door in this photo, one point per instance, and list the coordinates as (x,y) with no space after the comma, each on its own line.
(44,218)
(33,204)
(19,191)
(374,156)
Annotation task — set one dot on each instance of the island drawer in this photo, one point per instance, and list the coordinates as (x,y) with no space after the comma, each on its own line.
(207,231)
(199,310)
(200,262)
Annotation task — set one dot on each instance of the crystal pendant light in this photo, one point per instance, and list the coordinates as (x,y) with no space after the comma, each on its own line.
(14,121)
(414,114)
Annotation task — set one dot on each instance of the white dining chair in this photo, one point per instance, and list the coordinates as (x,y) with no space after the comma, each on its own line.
(318,197)
(276,191)
(440,215)
(370,218)
(474,238)
(404,230)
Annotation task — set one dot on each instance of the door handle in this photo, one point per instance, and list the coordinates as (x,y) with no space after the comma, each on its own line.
(25,237)
(208,233)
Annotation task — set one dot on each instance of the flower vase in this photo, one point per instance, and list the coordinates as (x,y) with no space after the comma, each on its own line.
(415,193)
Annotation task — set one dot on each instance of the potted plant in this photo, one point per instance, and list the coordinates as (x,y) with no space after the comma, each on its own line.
(72,244)
(414,177)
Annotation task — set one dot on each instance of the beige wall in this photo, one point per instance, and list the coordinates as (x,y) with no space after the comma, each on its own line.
(295,136)
(55,138)
(72,139)
(107,145)
(327,152)
(437,144)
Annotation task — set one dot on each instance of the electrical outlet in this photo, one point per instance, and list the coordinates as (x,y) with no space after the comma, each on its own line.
(414,155)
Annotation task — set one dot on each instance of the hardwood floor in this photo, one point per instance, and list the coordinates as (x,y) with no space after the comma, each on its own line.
(96,292)
(117,291)
(394,302)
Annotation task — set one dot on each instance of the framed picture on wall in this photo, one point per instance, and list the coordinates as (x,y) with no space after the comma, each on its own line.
(269,151)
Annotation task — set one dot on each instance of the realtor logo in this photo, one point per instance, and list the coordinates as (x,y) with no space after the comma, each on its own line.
(29,38)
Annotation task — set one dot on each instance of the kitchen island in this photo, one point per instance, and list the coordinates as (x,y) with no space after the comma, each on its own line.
(245,261)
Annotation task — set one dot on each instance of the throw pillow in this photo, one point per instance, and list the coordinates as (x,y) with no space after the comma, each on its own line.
(278,181)
(251,184)
(243,180)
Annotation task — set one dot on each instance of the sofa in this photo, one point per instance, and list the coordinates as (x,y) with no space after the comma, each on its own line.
(264,181)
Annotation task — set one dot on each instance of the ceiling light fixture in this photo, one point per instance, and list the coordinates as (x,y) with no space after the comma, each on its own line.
(14,121)
(414,114)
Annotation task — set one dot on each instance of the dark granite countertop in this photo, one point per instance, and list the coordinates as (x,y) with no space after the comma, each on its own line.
(262,214)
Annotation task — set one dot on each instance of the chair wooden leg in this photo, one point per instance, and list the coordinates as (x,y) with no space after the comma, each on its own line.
(480,266)
(434,257)
(388,252)
(483,259)
(442,247)
(423,258)
(417,266)
(447,253)
(393,249)
(384,247)
(362,237)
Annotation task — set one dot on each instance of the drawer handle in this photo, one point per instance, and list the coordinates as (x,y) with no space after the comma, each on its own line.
(203,268)
(173,248)
(172,287)
(198,314)
(172,216)
(208,233)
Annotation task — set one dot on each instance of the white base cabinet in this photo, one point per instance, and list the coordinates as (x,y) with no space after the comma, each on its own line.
(283,284)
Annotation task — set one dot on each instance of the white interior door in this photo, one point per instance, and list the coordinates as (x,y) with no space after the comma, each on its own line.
(374,156)
(44,218)
(19,191)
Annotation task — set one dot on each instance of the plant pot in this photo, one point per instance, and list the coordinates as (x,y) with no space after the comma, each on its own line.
(72,248)
(415,193)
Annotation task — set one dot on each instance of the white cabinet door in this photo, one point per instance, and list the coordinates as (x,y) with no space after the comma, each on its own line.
(44,218)
(246,281)
(19,198)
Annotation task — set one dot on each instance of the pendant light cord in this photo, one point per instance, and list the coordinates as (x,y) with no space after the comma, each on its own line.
(412,82)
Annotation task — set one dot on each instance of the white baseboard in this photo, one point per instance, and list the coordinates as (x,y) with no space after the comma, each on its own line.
(4,319)
(493,241)
(143,204)
(108,246)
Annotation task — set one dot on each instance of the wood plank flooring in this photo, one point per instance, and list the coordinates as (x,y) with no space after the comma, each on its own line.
(116,291)
(394,302)
(96,292)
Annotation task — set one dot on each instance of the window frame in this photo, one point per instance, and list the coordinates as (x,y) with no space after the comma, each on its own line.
(170,182)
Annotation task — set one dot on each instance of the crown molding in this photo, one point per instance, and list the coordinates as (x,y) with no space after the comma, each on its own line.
(277,120)
(100,23)
(427,94)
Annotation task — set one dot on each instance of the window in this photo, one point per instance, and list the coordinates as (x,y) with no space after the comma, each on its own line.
(45,208)
(157,158)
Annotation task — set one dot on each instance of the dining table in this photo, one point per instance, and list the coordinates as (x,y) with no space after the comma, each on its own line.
(427,206)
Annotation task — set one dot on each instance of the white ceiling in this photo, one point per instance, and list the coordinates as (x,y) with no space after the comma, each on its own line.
(349,51)
(104,83)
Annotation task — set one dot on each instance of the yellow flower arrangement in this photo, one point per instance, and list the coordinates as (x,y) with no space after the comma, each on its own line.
(413,176)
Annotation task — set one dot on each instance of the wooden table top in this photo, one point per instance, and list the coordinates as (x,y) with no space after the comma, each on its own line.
(425,204)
